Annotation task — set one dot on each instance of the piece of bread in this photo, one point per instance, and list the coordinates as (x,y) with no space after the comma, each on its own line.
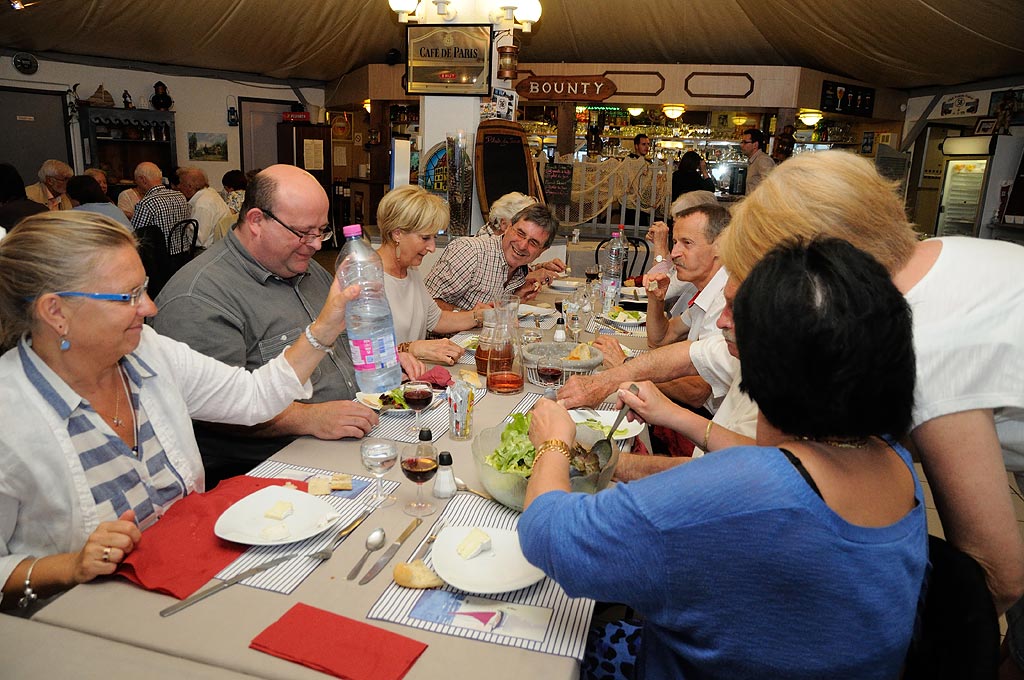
(416,575)
(341,482)
(319,486)
(470,376)
(275,532)
(580,352)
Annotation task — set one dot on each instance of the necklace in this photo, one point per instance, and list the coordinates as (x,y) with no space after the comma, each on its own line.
(117,411)
(841,442)
(117,402)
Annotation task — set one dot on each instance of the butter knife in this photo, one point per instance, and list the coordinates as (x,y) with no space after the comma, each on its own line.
(425,548)
(390,552)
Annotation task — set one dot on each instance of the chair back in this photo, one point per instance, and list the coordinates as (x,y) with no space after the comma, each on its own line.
(636,245)
(958,630)
(155,258)
(181,241)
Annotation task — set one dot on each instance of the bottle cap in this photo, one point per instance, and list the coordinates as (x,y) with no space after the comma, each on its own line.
(425,435)
(560,321)
(352,230)
(444,458)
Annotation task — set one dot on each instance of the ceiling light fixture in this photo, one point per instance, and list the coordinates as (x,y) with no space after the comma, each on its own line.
(810,118)
(673,111)
(635,111)
(444,10)
(406,9)
(739,119)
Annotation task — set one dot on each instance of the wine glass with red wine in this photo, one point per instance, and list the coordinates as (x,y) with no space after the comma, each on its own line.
(419,465)
(418,395)
(549,370)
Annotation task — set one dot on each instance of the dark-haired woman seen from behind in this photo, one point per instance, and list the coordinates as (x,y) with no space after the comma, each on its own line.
(87,194)
(802,557)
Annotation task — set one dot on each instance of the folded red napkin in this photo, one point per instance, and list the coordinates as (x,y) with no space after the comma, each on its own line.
(338,645)
(438,376)
(180,553)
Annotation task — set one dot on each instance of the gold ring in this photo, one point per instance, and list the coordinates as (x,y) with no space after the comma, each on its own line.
(106,554)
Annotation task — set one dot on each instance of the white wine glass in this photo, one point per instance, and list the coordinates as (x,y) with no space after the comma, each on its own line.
(379,456)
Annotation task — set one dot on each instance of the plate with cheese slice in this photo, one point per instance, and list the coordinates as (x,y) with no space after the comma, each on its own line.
(482,560)
(275,515)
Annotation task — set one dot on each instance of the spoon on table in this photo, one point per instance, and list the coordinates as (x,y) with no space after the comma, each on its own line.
(375,541)
(603,448)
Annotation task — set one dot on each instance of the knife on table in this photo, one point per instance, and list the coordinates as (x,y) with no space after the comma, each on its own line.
(390,552)
(425,548)
(258,569)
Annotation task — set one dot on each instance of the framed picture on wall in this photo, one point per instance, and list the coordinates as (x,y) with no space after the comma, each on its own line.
(867,144)
(448,59)
(985,126)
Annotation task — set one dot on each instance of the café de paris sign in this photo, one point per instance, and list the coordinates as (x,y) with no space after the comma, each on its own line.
(566,88)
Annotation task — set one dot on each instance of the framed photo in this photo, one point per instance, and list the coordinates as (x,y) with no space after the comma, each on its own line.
(867,144)
(448,59)
(985,126)
(341,126)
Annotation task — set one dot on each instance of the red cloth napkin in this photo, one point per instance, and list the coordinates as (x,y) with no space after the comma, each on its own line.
(180,553)
(338,645)
(438,376)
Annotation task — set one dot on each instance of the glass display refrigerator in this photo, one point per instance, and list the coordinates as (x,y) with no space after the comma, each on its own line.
(973,173)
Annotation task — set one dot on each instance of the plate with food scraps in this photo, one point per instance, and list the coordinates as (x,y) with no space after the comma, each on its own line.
(275,515)
(535,310)
(501,569)
(567,285)
(604,423)
(633,293)
(469,343)
(626,318)
(391,402)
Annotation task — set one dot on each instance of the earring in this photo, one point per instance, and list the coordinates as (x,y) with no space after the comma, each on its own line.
(398,248)
(65,344)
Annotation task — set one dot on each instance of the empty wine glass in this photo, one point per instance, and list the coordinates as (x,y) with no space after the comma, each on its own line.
(419,464)
(418,396)
(379,456)
(575,325)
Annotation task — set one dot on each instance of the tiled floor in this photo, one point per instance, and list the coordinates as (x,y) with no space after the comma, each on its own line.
(935,526)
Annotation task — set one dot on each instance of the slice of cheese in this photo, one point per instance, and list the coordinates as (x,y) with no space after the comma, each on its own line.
(470,376)
(279,510)
(319,486)
(341,482)
(275,532)
(473,544)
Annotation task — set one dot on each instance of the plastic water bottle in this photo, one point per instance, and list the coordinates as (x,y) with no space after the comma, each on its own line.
(371,332)
(611,275)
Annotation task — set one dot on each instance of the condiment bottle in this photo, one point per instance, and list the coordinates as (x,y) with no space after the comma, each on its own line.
(559,330)
(444,482)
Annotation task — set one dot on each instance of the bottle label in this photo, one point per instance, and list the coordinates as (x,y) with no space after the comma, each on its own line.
(375,352)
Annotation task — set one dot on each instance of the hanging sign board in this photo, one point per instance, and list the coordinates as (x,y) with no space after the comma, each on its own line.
(446,59)
(558,183)
(566,88)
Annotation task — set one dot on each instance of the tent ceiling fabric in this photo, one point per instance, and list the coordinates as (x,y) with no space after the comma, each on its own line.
(889,43)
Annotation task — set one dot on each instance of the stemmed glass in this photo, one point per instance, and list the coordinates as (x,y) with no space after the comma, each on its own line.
(379,456)
(549,370)
(575,325)
(417,395)
(419,464)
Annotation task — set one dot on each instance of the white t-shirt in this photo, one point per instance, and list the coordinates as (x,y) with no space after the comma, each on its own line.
(412,309)
(708,351)
(208,208)
(969,337)
(737,413)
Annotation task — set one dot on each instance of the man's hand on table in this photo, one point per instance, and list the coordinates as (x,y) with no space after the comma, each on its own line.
(611,349)
(338,419)
(412,366)
(442,351)
(586,390)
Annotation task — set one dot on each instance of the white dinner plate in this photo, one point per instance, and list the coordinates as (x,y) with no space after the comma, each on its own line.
(526,310)
(627,293)
(243,521)
(498,570)
(469,343)
(567,285)
(373,401)
(633,428)
(628,324)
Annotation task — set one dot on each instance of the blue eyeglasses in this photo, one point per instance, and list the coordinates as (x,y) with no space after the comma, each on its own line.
(132,297)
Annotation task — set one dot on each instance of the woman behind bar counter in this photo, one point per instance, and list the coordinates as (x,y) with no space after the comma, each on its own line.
(799,558)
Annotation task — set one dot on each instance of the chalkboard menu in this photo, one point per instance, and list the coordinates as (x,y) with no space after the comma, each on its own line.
(853,100)
(503,163)
(558,183)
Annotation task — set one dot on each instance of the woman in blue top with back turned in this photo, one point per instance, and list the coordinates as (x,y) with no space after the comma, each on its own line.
(802,557)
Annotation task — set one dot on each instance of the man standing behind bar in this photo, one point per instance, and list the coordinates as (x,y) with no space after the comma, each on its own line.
(248,297)
(476,270)
(759,164)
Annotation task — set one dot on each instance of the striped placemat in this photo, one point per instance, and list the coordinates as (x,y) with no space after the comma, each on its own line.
(399,426)
(546,322)
(566,633)
(469,358)
(286,577)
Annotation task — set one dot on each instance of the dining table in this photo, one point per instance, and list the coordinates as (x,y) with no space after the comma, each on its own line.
(110,618)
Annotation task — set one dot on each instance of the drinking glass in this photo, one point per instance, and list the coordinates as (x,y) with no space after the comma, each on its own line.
(379,456)
(418,396)
(575,325)
(549,370)
(593,273)
(419,464)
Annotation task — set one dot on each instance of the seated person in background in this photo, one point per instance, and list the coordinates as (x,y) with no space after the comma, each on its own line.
(101,179)
(206,205)
(409,218)
(234,183)
(97,439)
(159,205)
(254,293)
(14,204)
(85,194)
(52,184)
(474,271)
(499,217)
(661,239)
(128,199)
(691,175)
(739,562)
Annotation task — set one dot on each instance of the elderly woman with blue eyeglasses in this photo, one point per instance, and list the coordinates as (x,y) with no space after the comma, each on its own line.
(97,437)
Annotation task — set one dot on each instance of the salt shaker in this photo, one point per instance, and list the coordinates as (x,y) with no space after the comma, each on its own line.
(444,481)
(559,330)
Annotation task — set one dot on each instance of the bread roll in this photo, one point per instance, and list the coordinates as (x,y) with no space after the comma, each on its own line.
(416,575)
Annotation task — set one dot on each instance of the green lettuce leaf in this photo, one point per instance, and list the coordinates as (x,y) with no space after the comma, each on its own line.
(515,454)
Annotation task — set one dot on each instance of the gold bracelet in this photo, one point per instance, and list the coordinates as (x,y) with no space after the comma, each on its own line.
(552,445)
(707,434)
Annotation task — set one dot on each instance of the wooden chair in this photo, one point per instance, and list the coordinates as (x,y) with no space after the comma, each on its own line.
(155,258)
(632,256)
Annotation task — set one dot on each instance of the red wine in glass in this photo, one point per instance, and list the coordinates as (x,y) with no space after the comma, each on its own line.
(418,399)
(419,470)
(549,375)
